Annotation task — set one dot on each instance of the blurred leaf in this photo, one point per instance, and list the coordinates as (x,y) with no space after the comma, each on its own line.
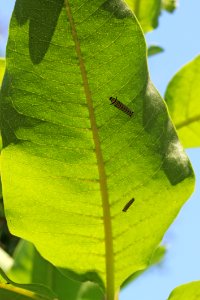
(147,12)
(2,68)
(189,291)
(71,161)
(152,50)
(182,97)
(158,256)
(32,291)
(90,291)
(169,5)
(9,292)
(30,267)
(22,269)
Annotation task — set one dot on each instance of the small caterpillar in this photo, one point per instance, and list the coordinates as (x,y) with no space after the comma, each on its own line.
(128,204)
(121,106)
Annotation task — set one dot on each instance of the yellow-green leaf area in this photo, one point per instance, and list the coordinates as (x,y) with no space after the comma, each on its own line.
(2,68)
(71,161)
(187,291)
(182,97)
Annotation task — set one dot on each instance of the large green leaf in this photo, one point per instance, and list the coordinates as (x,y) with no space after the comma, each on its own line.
(182,97)
(187,291)
(71,161)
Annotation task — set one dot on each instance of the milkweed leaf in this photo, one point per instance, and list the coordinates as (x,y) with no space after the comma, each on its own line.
(71,161)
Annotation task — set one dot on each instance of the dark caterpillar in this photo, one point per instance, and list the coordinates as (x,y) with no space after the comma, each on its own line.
(128,204)
(121,106)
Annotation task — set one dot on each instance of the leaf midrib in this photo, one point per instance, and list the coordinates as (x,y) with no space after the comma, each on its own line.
(102,175)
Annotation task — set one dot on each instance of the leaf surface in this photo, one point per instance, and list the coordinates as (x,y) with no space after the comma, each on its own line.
(186,291)
(71,161)
(182,97)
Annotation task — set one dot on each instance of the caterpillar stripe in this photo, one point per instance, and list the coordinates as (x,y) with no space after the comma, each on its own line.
(121,106)
(128,204)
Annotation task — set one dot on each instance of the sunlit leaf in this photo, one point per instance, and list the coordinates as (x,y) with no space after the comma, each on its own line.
(182,97)
(71,161)
(2,68)
(187,291)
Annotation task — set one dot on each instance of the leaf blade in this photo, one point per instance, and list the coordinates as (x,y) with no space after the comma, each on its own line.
(55,168)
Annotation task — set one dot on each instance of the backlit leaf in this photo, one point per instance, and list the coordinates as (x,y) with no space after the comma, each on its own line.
(71,161)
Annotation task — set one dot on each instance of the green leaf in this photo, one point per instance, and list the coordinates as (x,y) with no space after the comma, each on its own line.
(169,5)
(9,289)
(186,291)
(2,68)
(22,268)
(182,97)
(89,291)
(71,161)
(147,12)
(8,292)
(30,267)
(152,50)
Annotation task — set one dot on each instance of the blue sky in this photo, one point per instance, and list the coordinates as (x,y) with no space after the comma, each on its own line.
(178,34)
